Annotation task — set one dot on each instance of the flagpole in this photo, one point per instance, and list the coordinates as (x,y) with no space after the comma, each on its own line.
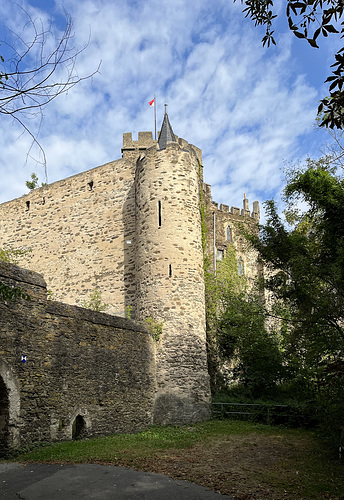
(155,115)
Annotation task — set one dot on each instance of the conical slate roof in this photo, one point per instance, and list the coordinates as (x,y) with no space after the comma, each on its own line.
(166,133)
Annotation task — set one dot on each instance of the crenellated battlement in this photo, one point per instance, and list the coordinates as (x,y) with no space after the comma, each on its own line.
(145,141)
(132,229)
(235,211)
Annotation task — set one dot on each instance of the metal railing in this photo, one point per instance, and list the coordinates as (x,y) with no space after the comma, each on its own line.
(222,409)
(275,413)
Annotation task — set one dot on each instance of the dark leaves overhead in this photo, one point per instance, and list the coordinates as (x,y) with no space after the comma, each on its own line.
(309,20)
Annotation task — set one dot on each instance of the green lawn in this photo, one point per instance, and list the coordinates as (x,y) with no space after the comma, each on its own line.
(233,457)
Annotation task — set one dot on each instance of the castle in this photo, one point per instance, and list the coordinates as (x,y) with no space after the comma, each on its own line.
(131,228)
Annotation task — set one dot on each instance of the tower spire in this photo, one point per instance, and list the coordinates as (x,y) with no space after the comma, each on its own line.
(166,132)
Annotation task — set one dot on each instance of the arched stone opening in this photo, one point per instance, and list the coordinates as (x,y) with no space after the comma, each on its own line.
(4,417)
(78,427)
(9,409)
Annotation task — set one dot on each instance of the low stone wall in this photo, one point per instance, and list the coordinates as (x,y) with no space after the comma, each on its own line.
(67,371)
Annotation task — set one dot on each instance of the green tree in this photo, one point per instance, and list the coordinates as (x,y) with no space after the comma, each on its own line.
(33,184)
(304,259)
(244,339)
(237,320)
(309,20)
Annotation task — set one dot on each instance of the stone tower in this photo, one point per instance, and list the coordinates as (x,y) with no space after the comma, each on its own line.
(132,230)
(169,274)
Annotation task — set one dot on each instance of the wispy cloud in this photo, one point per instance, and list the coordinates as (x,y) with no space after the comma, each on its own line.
(248,108)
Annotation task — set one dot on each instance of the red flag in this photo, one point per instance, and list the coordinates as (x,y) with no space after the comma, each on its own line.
(151,103)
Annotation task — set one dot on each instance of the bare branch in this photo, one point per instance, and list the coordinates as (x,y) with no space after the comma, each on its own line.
(334,152)
(34,75)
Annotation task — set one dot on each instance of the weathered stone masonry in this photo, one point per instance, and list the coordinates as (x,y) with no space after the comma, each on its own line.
(223,226)
(82,367)
(169,273)
(132,228)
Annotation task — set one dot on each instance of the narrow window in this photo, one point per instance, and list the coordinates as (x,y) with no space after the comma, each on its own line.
(240,267)
(27,205)
(159,212)
(220,255)
(229,233)
(90,185)
(43,200)
(170,271)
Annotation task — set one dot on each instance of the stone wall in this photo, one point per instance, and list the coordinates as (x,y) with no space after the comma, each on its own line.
(91,369)
(223,226)
(132,229)
(170,280)
(80,232)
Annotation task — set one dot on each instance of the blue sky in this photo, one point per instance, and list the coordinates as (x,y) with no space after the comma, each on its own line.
(248,108)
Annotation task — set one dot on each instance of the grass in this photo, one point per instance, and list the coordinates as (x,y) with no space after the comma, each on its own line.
(237,458)
(122,446)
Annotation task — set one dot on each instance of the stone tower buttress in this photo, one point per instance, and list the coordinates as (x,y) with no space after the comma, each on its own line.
(169,277)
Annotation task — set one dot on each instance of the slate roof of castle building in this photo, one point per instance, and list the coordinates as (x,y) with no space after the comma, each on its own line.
(166,134)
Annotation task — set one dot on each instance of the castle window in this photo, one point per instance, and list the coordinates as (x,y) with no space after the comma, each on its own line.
(27,205)
(240,266)
(220,255)
(159,213)
(90,185)
(229,234)
(170,271)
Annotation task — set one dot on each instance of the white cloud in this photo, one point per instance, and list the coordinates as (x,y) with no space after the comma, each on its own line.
(245,106)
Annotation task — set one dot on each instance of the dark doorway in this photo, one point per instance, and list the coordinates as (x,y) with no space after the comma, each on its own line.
(78,428)
(4,416)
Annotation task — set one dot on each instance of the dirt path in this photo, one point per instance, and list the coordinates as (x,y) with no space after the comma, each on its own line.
(258,467)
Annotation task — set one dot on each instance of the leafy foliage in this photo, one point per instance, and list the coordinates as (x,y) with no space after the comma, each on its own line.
(301,356)
(244,339)
(309,20)
(33,184)
(237,317)
(291,413)
(308,259)
(154,328)
(305,264)
(129,312)
(95,301)
(8,292)
(12,255)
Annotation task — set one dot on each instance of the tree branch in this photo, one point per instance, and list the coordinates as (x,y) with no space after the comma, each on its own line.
(32,77)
